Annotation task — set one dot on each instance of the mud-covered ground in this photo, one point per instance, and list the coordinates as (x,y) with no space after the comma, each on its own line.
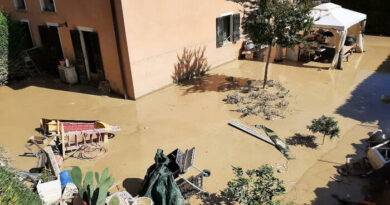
(196,115)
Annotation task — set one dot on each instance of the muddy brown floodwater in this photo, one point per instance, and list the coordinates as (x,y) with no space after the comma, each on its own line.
(195,115)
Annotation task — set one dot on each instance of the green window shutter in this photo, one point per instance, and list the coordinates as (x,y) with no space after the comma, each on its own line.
(78,52)
(219,32)
(236,27)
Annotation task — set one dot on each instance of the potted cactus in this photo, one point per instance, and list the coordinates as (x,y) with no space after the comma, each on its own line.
(89,193)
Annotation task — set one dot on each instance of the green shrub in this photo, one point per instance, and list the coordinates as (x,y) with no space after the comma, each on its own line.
(3,49)
(12,45)
(191,64)
(259,187)
(13,191)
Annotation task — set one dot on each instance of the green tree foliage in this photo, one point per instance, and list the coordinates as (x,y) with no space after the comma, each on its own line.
(3,48)
(258,187)
(276,22)
(12,44)
(326,126)
(13,191)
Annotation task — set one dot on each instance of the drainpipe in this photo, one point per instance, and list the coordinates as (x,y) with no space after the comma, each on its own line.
(115,22)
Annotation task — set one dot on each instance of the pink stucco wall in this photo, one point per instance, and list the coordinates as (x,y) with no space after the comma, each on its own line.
(158,30)
(95,14)
(152,33)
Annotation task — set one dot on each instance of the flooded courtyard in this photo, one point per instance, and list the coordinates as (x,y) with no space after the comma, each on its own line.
(195,115)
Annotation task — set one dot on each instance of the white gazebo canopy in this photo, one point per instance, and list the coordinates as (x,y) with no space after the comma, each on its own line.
(333,16)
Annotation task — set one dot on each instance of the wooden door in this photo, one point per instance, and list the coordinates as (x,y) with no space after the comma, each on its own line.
(95,62)
(51,46)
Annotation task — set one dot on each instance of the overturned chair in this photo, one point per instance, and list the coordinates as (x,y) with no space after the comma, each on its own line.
(179,165)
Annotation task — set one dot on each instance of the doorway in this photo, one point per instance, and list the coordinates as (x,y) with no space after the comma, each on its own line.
(51,47)
(28,43)
(89,62)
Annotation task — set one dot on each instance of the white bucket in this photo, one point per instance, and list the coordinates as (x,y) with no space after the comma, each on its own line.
(143,201)
(49,192)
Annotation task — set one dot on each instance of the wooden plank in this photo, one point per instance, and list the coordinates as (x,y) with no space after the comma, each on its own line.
(53,162)
(252,132)
(95,131)
(63,141)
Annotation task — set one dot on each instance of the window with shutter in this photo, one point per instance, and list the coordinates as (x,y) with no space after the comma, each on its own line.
(228,29)
(20,4)
(48,5)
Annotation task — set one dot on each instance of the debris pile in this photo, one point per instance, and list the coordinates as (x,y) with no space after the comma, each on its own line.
(377,157)
(252,99)
(46,179)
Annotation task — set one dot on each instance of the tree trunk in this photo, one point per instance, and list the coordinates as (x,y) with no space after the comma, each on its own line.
(266,65)
(323,140)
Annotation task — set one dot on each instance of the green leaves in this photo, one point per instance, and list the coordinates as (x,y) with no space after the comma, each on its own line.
(12,45)
(13,191)
(259,187)
(4,35)
(326,126)
(91,194)
(271,22)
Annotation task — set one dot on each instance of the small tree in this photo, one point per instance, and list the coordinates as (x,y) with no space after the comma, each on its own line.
(326,126)
(258,188)
(276,22)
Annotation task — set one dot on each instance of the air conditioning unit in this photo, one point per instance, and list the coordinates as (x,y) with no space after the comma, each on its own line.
(68,74)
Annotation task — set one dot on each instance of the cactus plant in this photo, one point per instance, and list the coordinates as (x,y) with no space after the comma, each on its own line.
(88,192)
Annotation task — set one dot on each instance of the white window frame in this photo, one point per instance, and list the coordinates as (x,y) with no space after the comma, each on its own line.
(29,28)
(42,6)
(82,29)
(16,7)
(231,13)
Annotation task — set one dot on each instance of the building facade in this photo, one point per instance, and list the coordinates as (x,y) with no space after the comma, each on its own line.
(132,44)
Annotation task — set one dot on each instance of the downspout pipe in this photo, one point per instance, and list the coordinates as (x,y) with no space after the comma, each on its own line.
(118,47)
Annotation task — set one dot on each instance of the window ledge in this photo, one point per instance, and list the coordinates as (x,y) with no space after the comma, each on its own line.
(226,43)
(49,12)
